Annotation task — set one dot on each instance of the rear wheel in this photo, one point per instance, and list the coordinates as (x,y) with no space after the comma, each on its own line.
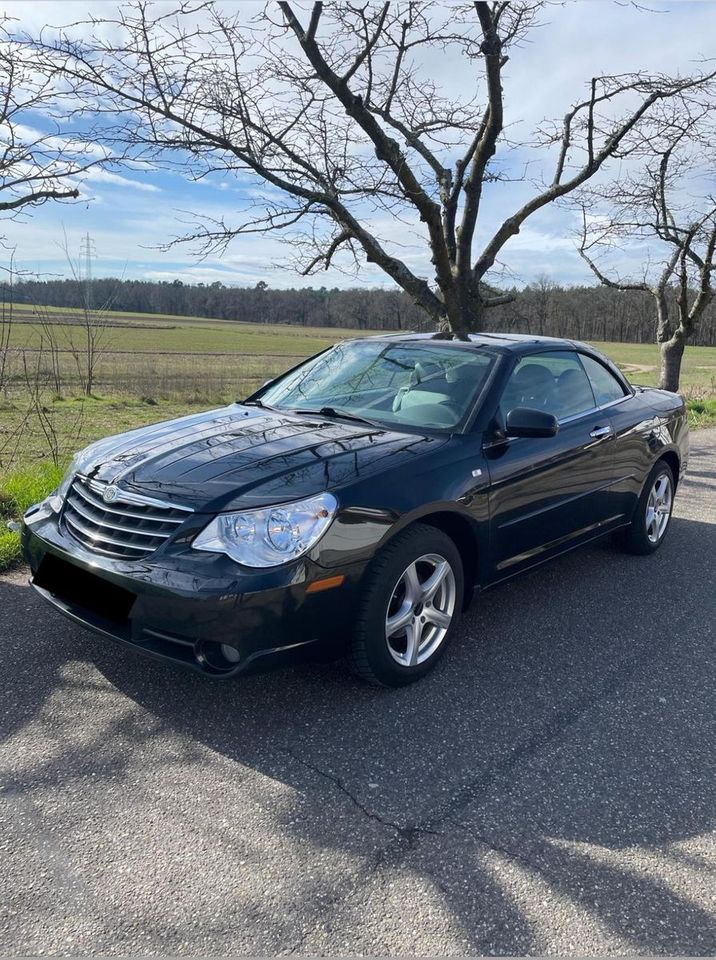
(410,607)
(646,532)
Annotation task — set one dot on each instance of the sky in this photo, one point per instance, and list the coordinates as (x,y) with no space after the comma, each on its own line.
(130,214)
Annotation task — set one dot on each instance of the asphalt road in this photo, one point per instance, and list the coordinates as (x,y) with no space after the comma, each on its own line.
(551,788)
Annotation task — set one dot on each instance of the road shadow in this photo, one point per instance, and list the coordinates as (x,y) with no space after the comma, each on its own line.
(570,725)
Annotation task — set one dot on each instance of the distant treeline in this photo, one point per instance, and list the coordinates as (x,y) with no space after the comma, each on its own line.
(585,313)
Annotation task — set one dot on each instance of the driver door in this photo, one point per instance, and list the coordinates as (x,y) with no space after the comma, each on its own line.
(547,494)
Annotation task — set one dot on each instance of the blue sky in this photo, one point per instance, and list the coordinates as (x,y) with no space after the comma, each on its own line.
(129,214)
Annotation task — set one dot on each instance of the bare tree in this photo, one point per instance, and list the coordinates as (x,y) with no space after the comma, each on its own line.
(664,206)
(542,291)
(50,346)
(39,418)
(35,165)
(34,378)
(341,116)
(6,323)
(94,325)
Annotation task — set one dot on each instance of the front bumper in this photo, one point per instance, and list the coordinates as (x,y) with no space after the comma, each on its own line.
(183,604)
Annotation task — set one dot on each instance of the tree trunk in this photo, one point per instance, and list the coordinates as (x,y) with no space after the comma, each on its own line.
(470,319)
(672,351)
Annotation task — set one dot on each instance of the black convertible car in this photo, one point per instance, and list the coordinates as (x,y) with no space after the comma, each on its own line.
(357,501)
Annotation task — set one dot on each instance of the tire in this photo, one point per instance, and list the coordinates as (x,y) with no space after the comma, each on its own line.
(417,581)
(647,530)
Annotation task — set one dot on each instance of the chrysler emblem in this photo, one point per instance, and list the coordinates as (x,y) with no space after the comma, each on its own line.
(110,494)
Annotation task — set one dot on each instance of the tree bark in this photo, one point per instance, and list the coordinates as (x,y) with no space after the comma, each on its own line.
(672,352)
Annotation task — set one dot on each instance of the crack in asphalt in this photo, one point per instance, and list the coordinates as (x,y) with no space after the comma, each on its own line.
(406,838)
(549,734)
(408,834)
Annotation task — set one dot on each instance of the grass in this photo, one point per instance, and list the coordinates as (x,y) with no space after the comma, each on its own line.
(189,360)
(702,413)
(166,334)
(24,310)
(78,421)
(247,351)
(19,490)
(640,364)
(9,551)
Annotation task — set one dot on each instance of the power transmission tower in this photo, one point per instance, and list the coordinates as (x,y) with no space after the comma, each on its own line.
(88,251)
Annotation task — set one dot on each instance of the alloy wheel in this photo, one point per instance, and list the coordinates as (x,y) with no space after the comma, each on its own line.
(658,508)
(420,610)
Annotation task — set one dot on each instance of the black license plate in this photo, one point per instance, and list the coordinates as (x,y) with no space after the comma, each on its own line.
(79,588)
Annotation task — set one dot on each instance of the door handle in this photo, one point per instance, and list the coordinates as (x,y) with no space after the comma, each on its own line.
(600,432)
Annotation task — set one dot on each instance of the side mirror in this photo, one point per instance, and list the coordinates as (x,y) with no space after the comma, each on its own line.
(526,422)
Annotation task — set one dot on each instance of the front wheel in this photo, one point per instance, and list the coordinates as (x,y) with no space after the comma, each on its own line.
(409,609)
(646,532)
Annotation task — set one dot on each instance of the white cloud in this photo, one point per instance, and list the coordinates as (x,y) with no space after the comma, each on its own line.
(97,175)
(79,148)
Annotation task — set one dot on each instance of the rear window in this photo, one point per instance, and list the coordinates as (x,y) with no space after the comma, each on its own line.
(605,385)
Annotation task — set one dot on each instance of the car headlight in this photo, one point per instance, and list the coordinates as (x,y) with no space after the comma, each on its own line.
(271,536)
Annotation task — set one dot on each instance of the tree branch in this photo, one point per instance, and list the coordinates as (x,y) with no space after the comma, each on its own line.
(602,277)
(386,149)
(327,257)
(559,188)
(39,197)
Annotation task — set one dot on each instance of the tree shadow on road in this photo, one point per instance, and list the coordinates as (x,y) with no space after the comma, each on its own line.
(568,739)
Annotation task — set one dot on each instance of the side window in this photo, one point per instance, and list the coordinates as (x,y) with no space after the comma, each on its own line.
(605,385)
(555,382)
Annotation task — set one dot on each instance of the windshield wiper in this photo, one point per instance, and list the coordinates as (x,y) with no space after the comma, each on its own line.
(338,414)
(255,403)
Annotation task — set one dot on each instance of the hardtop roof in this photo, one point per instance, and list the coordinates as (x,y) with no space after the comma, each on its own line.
(512,342)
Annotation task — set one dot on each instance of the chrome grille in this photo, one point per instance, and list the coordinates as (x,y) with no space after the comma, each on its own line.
(129,526)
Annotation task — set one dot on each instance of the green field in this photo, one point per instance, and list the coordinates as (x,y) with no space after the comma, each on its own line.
(640,363)
(139,332)
(169,358)
(152,368)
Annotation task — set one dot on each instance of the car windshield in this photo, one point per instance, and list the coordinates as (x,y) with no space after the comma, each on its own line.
(413,384)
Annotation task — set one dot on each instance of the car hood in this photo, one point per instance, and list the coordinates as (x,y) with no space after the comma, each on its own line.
(245,456)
